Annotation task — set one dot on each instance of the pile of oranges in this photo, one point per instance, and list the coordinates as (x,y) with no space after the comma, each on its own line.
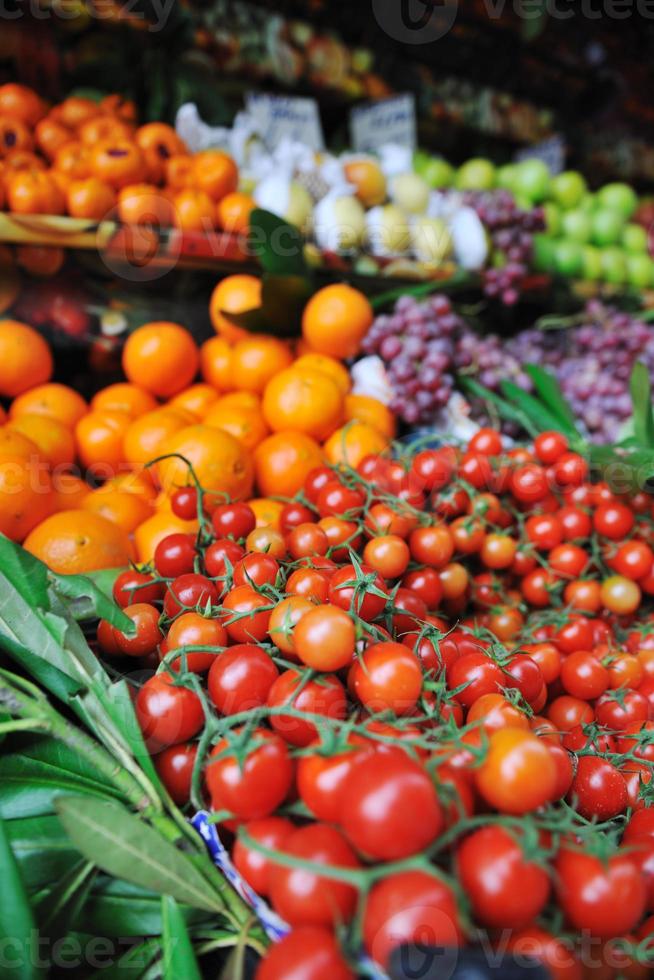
(91,160)
(80,484)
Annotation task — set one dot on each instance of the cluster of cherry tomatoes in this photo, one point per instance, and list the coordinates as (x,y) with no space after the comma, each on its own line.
(422,707)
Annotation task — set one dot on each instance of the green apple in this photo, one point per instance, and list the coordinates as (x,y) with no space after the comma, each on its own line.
(577,225)
(640,271)
(634,238)
(568,188)
(568,258)
(506,176)
(477,174)
(543,248)
(532,180)
(587,203)
(591,263)
(619,197)
(434,170)
(552,215)
(614,265)
(607,227)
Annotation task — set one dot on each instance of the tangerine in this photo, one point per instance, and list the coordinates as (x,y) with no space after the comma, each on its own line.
(148,436)
(193,210)
(100,437)
(26,496)
(68,491)
(303,401)
(336,319)
(34,192)
(283,461)
(14,135)
(21,102)
(179,172)
(124,397)
(118,162)
(75,541)
(56,401)
(74,111)
(245,423)
(74,161)
(363,408)
(256,360)
(25,358)
(233,212)
(328,365)
(145,204)
(215,173)
(90,198)
(148,535)
(234,294)
(158,143)
(161,357)
(196,400)
(53,439)
(40,260)
(219,462)
(103,127)
(125,509)
(216,363)
(13,443)
(117,105)
(350,444)
(50,136)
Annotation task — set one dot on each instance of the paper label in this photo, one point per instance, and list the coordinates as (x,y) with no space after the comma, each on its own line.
(379,123)
(283,117)
(551,151)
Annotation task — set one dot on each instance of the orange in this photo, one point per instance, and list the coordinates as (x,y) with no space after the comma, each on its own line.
(21,102)
(148,535)
(215,173)
(68,491)
(117,105)
(179,172)
(54,440)
(216,363)
(100,437)
(127,510)
(40,260)
(303,401)
(197,400)
(90,198)
(161,357)
(328,365)
(368,178)
(144,204)
(74,541)
(54,400)
(14,135)
(193,210)
(239,399)
(118,162)
(244,423)
(73,160)
(149,436)
(34,192)
(101,127)
(25,358)
(158,143)
(26,496)
(355,440)
(268,512)
(22,160)
(282,462)
(138,483)
(234,294)
(14,443)
(51,135)
(124,397)
(363,408)
(233,212)
(219,461)
(257,359)
(336,319)
(74,111)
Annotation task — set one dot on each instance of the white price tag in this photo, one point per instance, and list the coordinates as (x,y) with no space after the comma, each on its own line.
(551,151)
(380,123)
(283,117)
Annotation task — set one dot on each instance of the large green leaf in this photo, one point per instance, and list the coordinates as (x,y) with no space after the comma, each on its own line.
(502,406)
(277,245)
(641,397)
(120,707)
(540,417)
(91,597)
(40,770)
(42,849)
(17,925)
(123,845)
(550,392)
(118,908)
(178,955)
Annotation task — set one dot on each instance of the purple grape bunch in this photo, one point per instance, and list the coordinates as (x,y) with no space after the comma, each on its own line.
(425,345)
(511,231)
